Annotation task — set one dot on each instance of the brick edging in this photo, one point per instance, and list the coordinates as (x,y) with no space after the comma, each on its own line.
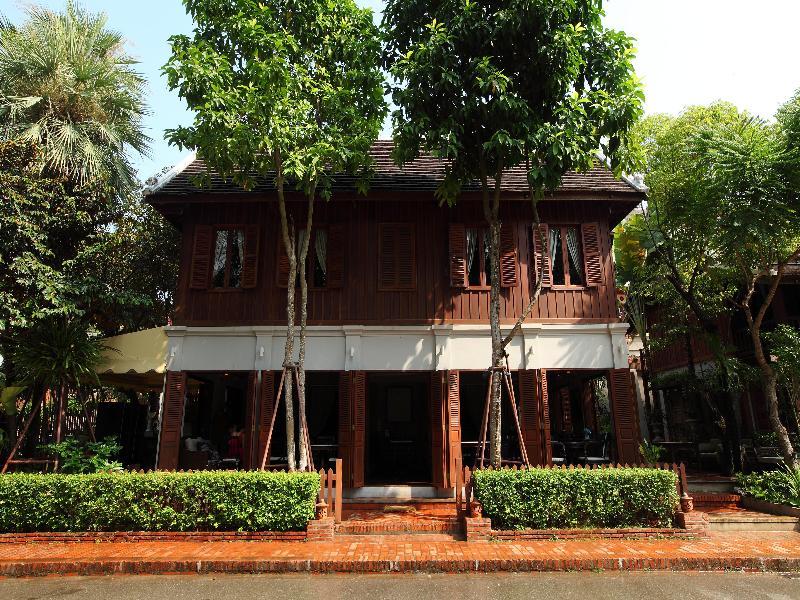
(485,565)
(153,536)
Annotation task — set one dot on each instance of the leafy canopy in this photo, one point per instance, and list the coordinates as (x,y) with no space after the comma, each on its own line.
(489,85)
(67,85)
(291,86)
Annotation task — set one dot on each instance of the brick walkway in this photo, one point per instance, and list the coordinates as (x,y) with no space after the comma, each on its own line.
(395,553)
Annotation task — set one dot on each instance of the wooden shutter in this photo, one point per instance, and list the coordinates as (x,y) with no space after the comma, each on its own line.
(172,420)
(282,266)
(547,448)
(266,404)
(458,255)
(453,413)
(397,260)
(200,273)
(566,410)
(438,445)
(345,440)
(250,258)
(591,254)
(541,259)
(625,412)
(335,256)
(530,416)
(509,263)
(249,429)
(359,394)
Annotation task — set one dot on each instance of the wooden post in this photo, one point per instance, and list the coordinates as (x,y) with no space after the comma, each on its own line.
(24,432)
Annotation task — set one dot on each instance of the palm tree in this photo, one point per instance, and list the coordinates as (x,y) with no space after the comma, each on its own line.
(67,85)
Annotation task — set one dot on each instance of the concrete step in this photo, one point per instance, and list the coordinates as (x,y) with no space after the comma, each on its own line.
(706,502)
(710,484)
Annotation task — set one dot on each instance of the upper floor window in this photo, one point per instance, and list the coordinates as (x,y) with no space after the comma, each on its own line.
(228,257)
(326,251)
(571,255)
(478,260)
(566,255)
(470,261)
(317,266)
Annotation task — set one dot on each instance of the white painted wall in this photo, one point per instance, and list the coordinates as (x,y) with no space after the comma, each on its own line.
(409,348)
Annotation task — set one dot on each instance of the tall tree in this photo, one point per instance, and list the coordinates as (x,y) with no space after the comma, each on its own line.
(67,85)
(493,85)
(287,89)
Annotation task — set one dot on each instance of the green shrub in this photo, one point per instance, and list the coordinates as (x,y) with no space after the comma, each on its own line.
(560,499)
(76,456)
(160,501)
(779,487)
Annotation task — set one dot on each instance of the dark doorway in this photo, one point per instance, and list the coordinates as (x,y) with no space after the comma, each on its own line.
(398,429)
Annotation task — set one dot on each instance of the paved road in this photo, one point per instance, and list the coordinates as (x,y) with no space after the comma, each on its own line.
(578,586)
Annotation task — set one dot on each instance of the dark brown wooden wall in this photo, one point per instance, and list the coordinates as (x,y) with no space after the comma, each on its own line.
(359,300)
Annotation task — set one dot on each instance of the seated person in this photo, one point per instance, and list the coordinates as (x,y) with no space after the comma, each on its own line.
(235,445)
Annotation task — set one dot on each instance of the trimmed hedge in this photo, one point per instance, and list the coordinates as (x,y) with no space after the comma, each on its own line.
(158,501)
(778,487)
(577,498)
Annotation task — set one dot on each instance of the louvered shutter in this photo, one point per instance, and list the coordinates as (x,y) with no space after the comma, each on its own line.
(509,263)
(249,431)
(438,445)
(282,266)
(359,394)
(542,255)
(625,412)
(335,256)
(453,413)
(200,272)
(591,254)
(266,402)
(547,448)
(172,420)
(458,255)
(530,416)
(250,259)
(566,410)
(397,260)
(345,440)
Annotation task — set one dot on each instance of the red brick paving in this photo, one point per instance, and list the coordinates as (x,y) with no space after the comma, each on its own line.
(762,551)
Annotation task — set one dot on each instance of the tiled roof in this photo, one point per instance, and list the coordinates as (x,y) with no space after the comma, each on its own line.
(423,174)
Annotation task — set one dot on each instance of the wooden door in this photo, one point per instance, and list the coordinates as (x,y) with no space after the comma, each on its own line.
(625,412)
(172,420)
(544,415)
(530,416)
(359,401)
(266,404)
(438,434)
(453,416)
(352,425)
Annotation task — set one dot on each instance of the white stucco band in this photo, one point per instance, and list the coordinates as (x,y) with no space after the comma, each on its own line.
(401,348)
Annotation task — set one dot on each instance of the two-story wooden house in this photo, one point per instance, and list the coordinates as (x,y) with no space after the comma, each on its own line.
(398,311)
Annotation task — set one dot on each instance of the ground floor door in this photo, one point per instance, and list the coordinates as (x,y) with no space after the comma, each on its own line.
(398,432)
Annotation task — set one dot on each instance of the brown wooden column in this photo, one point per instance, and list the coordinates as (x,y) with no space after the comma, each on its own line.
(535,417)
(171,420)
(352,425)
(625,412)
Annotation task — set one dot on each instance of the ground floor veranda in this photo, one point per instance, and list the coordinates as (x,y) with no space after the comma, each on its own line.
(390,428)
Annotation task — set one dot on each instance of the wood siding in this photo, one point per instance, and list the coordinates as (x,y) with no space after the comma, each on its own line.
(359,299)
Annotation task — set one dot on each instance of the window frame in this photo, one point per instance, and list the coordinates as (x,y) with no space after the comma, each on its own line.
(226,289)
(311,259)
(486,284)
(567,285)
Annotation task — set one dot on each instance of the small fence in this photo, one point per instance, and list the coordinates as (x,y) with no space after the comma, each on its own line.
(330,489)
(464,491)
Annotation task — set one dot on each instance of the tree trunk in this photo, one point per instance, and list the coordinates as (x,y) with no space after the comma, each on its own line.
(301,372)
(498,353)
(289,235)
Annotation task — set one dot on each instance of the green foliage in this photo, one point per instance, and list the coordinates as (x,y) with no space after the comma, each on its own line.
(57,352)
(76,456)
(493,85)
(650,452)
(293,87)
(781,486)
(556,498)
(784,345)
(203,501)
(67,85)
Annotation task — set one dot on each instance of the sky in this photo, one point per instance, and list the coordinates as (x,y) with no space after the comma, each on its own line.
(689,52)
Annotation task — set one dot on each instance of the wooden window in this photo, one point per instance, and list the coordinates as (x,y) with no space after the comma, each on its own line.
(225,257)
(572,255)
(477,262)
(397,260)
(325,266)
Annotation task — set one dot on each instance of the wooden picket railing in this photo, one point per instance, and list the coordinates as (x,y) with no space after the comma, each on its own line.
(330,489)
(464,491)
